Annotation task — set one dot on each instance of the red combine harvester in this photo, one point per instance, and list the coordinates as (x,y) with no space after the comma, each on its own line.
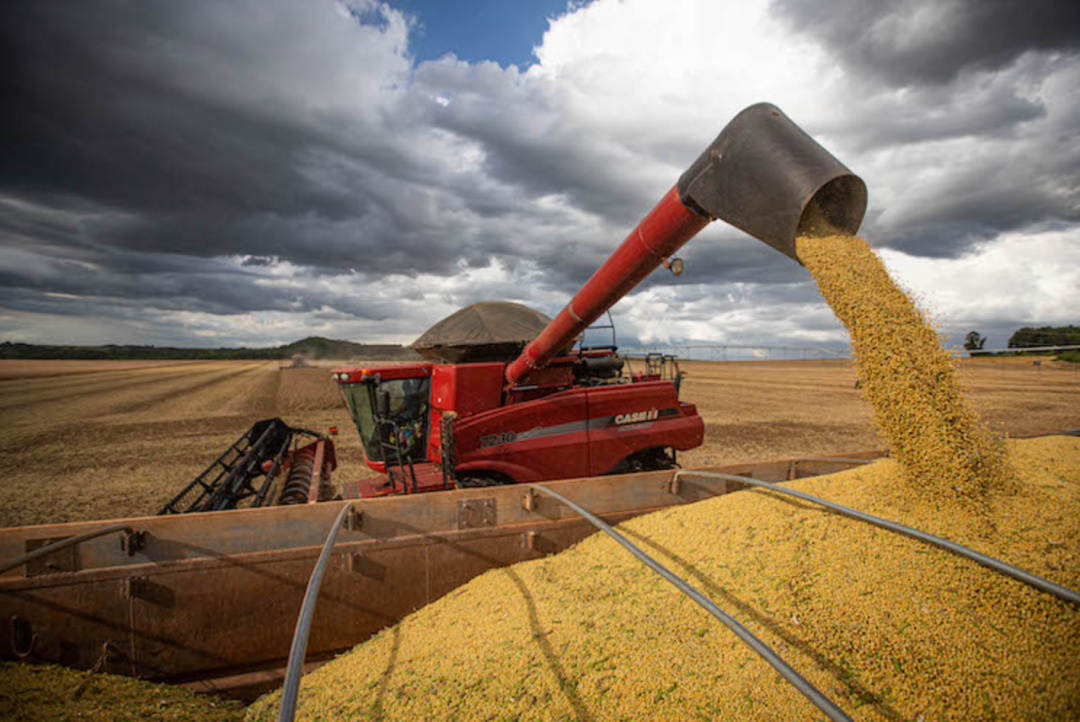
(429,426)
(505,408)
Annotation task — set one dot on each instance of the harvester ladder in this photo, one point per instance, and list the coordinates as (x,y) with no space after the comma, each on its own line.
(394,456)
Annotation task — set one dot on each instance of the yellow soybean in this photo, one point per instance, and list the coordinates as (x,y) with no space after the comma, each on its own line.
(906,375)
(887,627)
(36,693)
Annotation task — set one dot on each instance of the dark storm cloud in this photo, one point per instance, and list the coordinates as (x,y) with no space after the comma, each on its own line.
(534,148)
(141,108)
(167,116)
(282,156)
(915,42)
(957,85)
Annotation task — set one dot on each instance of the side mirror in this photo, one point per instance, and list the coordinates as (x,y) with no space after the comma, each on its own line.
(382,402)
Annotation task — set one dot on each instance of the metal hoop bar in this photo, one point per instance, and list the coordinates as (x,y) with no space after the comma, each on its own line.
(1022,575)
(290,690)
(62,544)
(786,671)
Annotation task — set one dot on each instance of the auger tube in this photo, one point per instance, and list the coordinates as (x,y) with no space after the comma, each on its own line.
(763,174)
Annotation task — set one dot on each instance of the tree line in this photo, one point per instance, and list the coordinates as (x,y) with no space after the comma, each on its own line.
(1029,337)
(312,348)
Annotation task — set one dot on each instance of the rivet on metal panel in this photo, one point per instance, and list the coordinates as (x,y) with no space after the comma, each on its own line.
(528,502)
(149,591)
(354,520)
(367,566)
(475,513)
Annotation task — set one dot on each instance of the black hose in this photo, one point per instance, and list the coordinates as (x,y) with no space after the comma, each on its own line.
(1027,577)
(808,690)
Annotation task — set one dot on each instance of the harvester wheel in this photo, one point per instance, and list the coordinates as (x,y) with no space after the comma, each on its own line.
(484,479)
(659,458)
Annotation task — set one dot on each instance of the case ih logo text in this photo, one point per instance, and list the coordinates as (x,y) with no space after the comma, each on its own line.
(636,417)
(497,439)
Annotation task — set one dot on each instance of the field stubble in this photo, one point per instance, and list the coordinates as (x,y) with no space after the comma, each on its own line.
(90,439)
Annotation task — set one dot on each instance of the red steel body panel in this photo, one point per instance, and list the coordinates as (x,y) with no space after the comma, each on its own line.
(668,226)
(535,440)
(627,418)
(464,389)
(467,389)
(398,371)
(590,428)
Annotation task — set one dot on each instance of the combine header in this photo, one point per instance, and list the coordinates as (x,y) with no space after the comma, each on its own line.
(245,475)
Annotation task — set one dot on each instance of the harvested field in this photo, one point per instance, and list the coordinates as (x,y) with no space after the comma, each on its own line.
(92,440)
(887,627)
(95,439)
(50,367)
(759,410)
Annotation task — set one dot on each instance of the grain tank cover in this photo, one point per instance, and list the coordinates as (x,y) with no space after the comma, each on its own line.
(487,331)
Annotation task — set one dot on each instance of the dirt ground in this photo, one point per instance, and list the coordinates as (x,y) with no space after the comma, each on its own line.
(90,439)
(784,409)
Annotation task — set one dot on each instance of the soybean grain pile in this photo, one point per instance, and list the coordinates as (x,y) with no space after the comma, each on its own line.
(35,693)
(887,627)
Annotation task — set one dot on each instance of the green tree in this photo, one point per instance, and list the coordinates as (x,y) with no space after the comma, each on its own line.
(974,341)
(1045,336)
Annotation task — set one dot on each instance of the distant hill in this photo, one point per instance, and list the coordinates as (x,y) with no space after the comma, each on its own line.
(314,348)
(317,348)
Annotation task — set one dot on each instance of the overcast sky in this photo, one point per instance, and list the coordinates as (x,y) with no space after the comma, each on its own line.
(250,173)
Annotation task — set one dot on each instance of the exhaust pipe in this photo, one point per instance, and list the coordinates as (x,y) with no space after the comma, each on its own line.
(763,174)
